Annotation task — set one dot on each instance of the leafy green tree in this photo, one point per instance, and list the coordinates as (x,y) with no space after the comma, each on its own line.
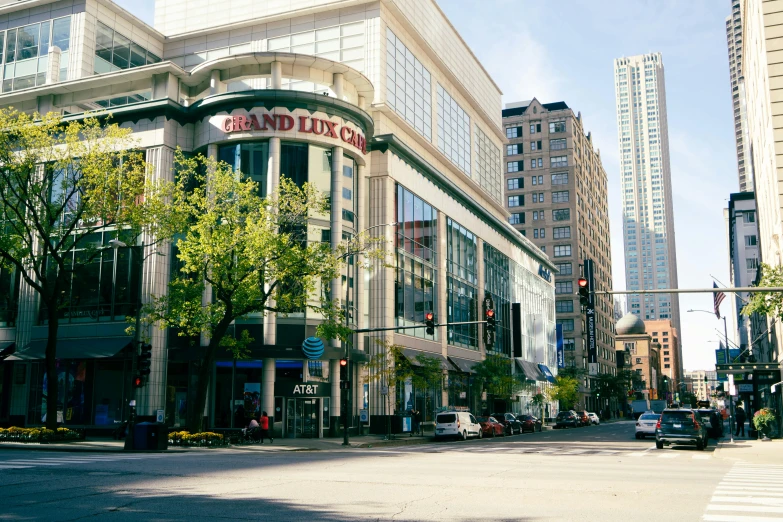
(767,303)
(538,403)
(249,251)
(495,376)
(565,391)
(60,184)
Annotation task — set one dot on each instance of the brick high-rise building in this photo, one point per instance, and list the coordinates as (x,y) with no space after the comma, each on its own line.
(556,191)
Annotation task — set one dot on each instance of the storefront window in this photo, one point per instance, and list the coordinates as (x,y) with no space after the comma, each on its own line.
(251,159)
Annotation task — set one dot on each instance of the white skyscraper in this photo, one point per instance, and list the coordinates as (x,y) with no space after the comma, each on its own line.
(648,217)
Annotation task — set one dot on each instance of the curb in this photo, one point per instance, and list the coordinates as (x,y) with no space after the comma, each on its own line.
(77,449)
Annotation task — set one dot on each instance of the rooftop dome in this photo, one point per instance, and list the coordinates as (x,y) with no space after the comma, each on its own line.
(630,324)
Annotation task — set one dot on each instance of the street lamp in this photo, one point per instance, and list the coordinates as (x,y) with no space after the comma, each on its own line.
(348,393)
(731,399)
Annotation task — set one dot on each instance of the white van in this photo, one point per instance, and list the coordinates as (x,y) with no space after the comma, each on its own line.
(457,424)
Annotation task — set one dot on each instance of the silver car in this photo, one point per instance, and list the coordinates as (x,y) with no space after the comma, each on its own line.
(646,423)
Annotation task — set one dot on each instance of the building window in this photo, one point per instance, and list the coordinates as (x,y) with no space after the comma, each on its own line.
(408,86)
(566,324)
(535,145)
(563,306)
(416,281)
(515,183)
(563,214)
(535,233)
(517,218)
(667,365)
(540,180)
(27,52)
(750,240)
(569,345)
(751,263)
(542,233)
(497,282)
(558,161)
(513,132)
(638,360)
(513,149)
(462,292)
(488,172)
(516,201)
(562,250)
(560,196)
(561,178)
(560,144)
(453,131)
(557,126)
(750,217)
(514,166)
(564,287)
(563,269)
(561,232)
(535,127)
(115,52)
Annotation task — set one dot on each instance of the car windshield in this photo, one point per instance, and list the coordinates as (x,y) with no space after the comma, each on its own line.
(562,414)
(649,416)
(482,419)
(445,418)
(525,417)
(676,416)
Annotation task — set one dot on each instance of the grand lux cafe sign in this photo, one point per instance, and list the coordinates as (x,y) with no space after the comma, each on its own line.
(305,125)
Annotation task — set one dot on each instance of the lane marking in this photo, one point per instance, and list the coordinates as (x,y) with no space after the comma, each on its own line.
(764,501)
(740,518)
(743,507)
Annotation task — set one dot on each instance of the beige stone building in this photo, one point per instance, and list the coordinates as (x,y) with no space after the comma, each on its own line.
(556,192)
(667,336)
(641,354)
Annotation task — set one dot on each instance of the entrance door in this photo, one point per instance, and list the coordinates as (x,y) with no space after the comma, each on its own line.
(303,418)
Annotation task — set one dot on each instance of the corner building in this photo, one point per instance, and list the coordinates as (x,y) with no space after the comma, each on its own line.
(381,105)
(556,191)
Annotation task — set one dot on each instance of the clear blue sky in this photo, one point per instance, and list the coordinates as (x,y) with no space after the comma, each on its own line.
(564,50)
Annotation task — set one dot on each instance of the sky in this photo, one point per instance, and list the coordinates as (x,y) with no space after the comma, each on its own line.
(563,50)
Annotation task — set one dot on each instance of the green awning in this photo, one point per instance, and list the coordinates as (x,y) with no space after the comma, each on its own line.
(80,348)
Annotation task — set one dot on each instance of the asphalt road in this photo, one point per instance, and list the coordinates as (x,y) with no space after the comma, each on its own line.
(595,473)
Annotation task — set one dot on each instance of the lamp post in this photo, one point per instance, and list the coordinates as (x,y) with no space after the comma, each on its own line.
(349,256)
(731,399)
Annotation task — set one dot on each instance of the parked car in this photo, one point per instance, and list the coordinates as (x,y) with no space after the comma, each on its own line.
(680,426)
(584,420)
(567,419)
(646,424)
(593,418)
(490,427)
(509,422)
(529,423)
(459,424)
(713,421)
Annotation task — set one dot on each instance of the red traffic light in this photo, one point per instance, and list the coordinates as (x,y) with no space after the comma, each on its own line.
(137,382)
(490,313)
(429,316)
(582,282)
(343,362)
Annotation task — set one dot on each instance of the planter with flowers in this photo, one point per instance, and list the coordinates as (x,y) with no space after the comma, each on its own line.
(763,420)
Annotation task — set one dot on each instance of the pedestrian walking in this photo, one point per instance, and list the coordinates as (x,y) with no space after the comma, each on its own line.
(740,415)
(264,422)
(417,422)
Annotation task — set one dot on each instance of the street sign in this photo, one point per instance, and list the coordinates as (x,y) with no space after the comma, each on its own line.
(384,390)
(745,367)
(593,368)
(364,416)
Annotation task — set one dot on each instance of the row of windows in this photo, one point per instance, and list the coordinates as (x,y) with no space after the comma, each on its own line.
(453,131)
(535,127)
(115,52)
(408,86)
(25,51)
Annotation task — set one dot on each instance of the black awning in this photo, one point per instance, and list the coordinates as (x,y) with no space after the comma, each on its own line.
(530,370)
(463,365)
(412,354)
(6,349)
(80,348)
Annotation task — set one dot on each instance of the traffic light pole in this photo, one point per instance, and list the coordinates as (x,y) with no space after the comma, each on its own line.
(136,342)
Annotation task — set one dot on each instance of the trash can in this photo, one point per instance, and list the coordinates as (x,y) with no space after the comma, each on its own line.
(150,436)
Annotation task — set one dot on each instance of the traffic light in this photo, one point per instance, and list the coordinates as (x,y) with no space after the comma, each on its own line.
(584,291)
(137,381)
(145,360)
(429,322)
(489,316)
(344,369)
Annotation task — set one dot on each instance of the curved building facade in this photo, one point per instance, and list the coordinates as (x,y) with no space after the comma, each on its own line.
(365,104)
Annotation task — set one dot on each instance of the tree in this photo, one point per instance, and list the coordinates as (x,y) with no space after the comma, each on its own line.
(538,402)
(251,252)
(767,303)
(61,184)
(565,391)
(494,375)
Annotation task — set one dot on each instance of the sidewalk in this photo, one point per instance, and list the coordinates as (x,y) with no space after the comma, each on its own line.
(751,451)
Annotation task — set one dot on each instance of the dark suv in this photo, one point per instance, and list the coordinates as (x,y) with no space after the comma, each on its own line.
(680,426)
(566,419)
(509,421)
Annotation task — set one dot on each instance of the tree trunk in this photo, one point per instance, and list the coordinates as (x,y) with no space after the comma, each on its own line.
(51,367)
(196,423)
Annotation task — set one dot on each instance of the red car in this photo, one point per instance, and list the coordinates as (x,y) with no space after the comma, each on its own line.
(584,420)
(529,423)
(490,427)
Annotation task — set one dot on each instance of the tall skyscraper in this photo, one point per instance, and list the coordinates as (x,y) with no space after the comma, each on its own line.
(734,42)
(648,217)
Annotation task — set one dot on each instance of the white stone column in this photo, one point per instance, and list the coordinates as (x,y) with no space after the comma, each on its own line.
(336,293)
(53,65)
(272,182)
(268,368)
(362,103)
(277,75)
(216,85)
(337,85)
(334,402)
(155,281)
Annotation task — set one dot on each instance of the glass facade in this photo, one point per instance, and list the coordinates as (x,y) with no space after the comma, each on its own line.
(416,287)
(488,172)
(462,281)
(408,86)
(250,158)
(26,52)
(115,52)
(497,283)
(453,131)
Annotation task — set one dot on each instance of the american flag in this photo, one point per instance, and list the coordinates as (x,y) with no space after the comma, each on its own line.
(718,298)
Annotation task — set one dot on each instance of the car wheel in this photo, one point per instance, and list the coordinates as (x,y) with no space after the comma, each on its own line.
(464,435)
(480,434)
(659,444)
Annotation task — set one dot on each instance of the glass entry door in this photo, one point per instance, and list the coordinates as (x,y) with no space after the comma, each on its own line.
(303,418)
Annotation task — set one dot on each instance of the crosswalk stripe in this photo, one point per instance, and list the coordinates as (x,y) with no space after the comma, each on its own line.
(749,492)
(765,489)
(2,466)
(765,501)
(740,518)
(745,507)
